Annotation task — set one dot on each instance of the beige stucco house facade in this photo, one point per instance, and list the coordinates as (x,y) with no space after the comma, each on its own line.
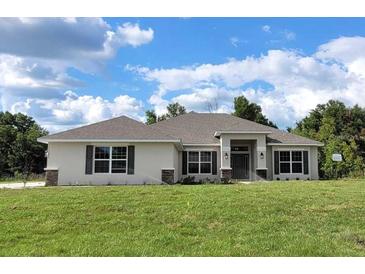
(204,146)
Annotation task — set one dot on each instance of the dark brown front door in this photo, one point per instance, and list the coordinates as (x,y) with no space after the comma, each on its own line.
(240,165)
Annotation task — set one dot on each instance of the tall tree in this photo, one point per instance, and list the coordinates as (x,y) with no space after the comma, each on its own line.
(250,111)
(341,129)
(19,150)
(151,117)
(173,110)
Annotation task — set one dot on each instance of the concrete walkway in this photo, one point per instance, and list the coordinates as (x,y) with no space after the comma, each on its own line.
(21,185)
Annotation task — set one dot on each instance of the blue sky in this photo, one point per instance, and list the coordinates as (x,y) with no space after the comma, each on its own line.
(69,72)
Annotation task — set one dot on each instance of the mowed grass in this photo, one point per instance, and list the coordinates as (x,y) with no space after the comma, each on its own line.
(265,219)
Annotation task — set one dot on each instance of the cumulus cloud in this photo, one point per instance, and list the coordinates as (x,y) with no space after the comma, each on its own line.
(75,110)
(298,82)
(74,41)
(36,54)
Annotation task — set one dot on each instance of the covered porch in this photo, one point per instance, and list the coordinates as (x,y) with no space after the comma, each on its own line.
(243,156)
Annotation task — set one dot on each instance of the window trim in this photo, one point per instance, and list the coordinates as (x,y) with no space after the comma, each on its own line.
(111,159)
(291,161)
(199,162)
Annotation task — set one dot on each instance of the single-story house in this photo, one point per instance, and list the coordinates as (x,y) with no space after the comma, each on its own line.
(212,146)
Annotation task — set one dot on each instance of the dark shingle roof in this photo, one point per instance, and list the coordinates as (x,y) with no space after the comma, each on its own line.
(190,128)
(120,128)
(199,128)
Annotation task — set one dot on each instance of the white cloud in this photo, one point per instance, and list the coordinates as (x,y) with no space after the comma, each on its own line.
(74,110)
(349,51)
(131,34)
(77,42)
(36,53)
(266,28)
(299,82)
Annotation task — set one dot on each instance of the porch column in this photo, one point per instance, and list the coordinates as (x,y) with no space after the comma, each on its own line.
(261,168)
(226,170)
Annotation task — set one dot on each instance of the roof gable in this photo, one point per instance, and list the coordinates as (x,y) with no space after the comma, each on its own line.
(120,128)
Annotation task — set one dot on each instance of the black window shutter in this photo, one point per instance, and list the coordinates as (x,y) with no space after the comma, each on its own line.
(214,163)
(276,162)
(89,160)
(305,162)
(185,163)
(130,159)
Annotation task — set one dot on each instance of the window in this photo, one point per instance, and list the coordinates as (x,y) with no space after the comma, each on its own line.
(110,160)
(199,162)
(205,162)
(297,162)
(102,155)
(291,161)
(193,162)
(284,161)
(239,148)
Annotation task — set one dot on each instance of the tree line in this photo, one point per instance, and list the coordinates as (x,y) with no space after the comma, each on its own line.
(20,153)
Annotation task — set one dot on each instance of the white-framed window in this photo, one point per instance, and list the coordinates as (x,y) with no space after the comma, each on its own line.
(291,162)
(110,159)
(199,162)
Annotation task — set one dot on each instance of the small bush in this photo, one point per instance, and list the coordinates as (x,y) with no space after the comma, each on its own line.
(189,180)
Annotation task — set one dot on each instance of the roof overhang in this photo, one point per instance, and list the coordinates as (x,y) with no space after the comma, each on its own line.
(301,145)
(220,132)
(46,141)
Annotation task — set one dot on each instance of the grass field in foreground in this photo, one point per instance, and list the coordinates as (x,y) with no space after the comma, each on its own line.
(265,219)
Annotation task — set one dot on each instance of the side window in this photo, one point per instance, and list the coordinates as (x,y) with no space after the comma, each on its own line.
(193,162)
(102,156)
(110,159)
(284,161)
(205,162)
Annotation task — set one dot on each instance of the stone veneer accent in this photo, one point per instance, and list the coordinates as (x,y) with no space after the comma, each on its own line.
(52,177)
(261,174)
(167,176)
(226,174)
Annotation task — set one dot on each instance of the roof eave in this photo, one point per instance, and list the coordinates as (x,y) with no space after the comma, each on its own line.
(47,140)
(219,132)
(291,144)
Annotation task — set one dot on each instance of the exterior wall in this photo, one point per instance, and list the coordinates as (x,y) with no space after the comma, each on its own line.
(150,159)
(176,165)
(313,162)
(269,163)
(312,165)
(211,177)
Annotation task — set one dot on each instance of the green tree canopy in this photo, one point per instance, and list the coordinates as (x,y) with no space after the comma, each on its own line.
(342,130)
(19,150)
(173,110)
(250,111)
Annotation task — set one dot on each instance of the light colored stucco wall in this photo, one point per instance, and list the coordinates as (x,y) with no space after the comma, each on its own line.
(269,163)
(198,177)
(312,165)
(150,158)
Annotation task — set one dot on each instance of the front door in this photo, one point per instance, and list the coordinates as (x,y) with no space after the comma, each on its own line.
(240,165)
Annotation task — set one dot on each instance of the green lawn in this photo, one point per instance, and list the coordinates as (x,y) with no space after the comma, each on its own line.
(264,219)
